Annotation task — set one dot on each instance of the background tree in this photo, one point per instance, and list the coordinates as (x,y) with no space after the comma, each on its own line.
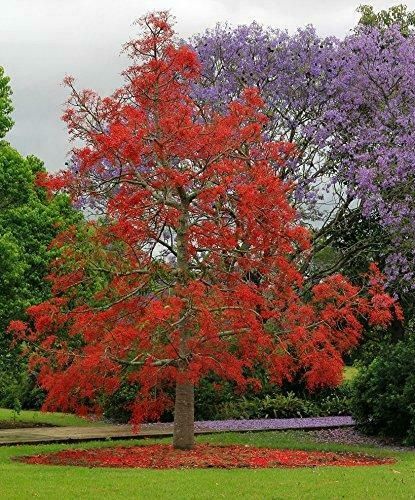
(29,220)
(6,107)
(348,108)
(295,76)
(397,15)
(198,248)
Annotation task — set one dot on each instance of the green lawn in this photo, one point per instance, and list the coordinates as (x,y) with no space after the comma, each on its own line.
(22,481)
(37,417)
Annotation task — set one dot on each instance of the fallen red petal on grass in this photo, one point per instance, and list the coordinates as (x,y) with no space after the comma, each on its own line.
(162,456)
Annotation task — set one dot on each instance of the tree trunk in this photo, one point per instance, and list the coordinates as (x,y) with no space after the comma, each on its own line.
(184,425)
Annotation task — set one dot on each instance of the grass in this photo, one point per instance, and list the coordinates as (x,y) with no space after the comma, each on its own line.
(37,417)
(22,481)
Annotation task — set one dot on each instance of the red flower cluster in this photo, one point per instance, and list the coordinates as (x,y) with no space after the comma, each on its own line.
(162,456)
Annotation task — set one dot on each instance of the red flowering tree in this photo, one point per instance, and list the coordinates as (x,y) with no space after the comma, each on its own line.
(187,267)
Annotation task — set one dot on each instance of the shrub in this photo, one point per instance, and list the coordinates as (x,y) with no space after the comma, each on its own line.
(383,400)
(19,390)
(328,403)
(279,406)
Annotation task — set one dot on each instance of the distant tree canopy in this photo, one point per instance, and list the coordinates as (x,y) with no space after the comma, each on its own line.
(6,107)
(396,15)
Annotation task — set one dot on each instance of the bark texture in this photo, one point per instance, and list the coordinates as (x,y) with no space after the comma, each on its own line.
(183,432)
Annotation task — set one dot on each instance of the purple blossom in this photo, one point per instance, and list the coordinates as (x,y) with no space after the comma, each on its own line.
(350,108)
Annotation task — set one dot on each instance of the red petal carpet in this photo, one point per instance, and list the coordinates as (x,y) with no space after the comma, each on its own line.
(162,456)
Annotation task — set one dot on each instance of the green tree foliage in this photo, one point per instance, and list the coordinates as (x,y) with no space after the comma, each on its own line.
(6,107)
(29,220)
(398,14)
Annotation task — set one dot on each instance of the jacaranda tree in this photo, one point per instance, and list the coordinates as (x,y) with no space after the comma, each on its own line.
(197,250)
(348,106)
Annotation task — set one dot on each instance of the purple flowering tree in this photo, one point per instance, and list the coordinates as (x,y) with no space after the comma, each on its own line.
(349,106)
(293,74)
(372,134)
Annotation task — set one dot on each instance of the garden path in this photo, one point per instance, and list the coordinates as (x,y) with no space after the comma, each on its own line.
(37,435)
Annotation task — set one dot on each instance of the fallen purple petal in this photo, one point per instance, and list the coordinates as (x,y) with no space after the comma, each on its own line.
(266,424)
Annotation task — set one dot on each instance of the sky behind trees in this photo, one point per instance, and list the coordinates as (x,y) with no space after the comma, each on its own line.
(41,41)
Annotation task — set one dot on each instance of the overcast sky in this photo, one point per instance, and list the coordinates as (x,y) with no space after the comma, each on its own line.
(43,40)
